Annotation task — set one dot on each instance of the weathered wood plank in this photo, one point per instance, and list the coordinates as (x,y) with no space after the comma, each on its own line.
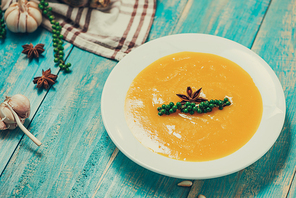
(16,76)
(74,161)
(270,176)
(78,158)
(292,187)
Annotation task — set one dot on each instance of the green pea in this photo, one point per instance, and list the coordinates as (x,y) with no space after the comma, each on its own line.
(225,99)
(160,114)
(220,107)
(163,111)
(55,44)
(220,103)
(49,8)
(50,17)
(201,105)
(167,107)
(61,65)
(61,36)
(167,113)
(45,11)
(209,109)
(192,104)
(61,56)
(191,112)
(159,108)
(61,42)
(199,110)
(211,106)
(52,21)
(212,102)
(195,108)
(206,103)
(189,108)
(171,104)
(174,107)
(227,103)
(56,60)
(171,111)
(185,110)
(55,49)
(42,1)
(54,36)
(40,6)
(178,104)
(187,104)
(45,4)
(61,52)
(58,32)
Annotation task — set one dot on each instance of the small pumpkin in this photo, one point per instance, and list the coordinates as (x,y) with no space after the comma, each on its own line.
(23,16)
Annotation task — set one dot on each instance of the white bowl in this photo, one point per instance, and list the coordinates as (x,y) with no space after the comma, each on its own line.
(118,83)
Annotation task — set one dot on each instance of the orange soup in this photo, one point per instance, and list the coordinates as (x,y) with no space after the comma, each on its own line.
(197,137)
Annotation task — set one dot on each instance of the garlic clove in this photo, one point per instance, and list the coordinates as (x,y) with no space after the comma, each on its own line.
(33,5)
(11,126)
(2,125)
(22,26)
(31,24)
(12,21)
(185,183)
(20,104)
(35,14)
(11,8)
(6,115)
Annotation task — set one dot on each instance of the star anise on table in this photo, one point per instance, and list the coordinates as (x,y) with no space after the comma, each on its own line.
(45,80)
(191,97)
(31,51)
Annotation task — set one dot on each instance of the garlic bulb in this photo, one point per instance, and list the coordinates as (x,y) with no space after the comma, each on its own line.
(20,104)
(13,112)
(23,16)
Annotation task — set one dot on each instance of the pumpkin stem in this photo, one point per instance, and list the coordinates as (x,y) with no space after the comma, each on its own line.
(22,5)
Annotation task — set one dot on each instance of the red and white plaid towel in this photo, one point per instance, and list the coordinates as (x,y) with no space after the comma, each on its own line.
(111,32)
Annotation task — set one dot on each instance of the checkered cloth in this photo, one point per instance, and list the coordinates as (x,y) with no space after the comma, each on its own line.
(111,32)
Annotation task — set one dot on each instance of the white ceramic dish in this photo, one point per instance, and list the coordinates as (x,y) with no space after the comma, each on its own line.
(121,77)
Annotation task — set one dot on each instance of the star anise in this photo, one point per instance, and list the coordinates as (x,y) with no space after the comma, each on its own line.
(45,80)
(191,97)
(31,51)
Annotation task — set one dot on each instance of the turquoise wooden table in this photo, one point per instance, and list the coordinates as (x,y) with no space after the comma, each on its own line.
(77,157)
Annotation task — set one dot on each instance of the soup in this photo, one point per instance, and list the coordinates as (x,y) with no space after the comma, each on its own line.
(196,137)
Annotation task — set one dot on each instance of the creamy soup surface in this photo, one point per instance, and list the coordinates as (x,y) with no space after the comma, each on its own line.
(197,137)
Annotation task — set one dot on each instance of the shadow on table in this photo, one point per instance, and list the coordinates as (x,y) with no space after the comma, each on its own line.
(245,183)
(255,178)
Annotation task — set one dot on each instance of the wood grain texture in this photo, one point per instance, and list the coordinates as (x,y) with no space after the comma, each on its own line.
(272,175)
(77,152)
(16,76)
(292,187)
(78,159)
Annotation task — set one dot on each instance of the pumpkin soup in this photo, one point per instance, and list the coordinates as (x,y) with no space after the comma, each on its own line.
(199,136)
